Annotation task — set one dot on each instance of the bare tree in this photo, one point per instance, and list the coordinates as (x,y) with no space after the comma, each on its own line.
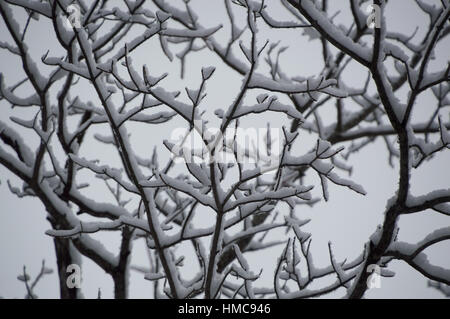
(251,190)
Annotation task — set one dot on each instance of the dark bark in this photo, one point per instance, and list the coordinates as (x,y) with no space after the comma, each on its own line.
(119,274)
(63,260)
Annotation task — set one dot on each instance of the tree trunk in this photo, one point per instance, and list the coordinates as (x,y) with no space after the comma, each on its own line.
(63,260)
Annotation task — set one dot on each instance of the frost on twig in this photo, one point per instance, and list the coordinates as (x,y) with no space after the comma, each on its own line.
(31,284)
